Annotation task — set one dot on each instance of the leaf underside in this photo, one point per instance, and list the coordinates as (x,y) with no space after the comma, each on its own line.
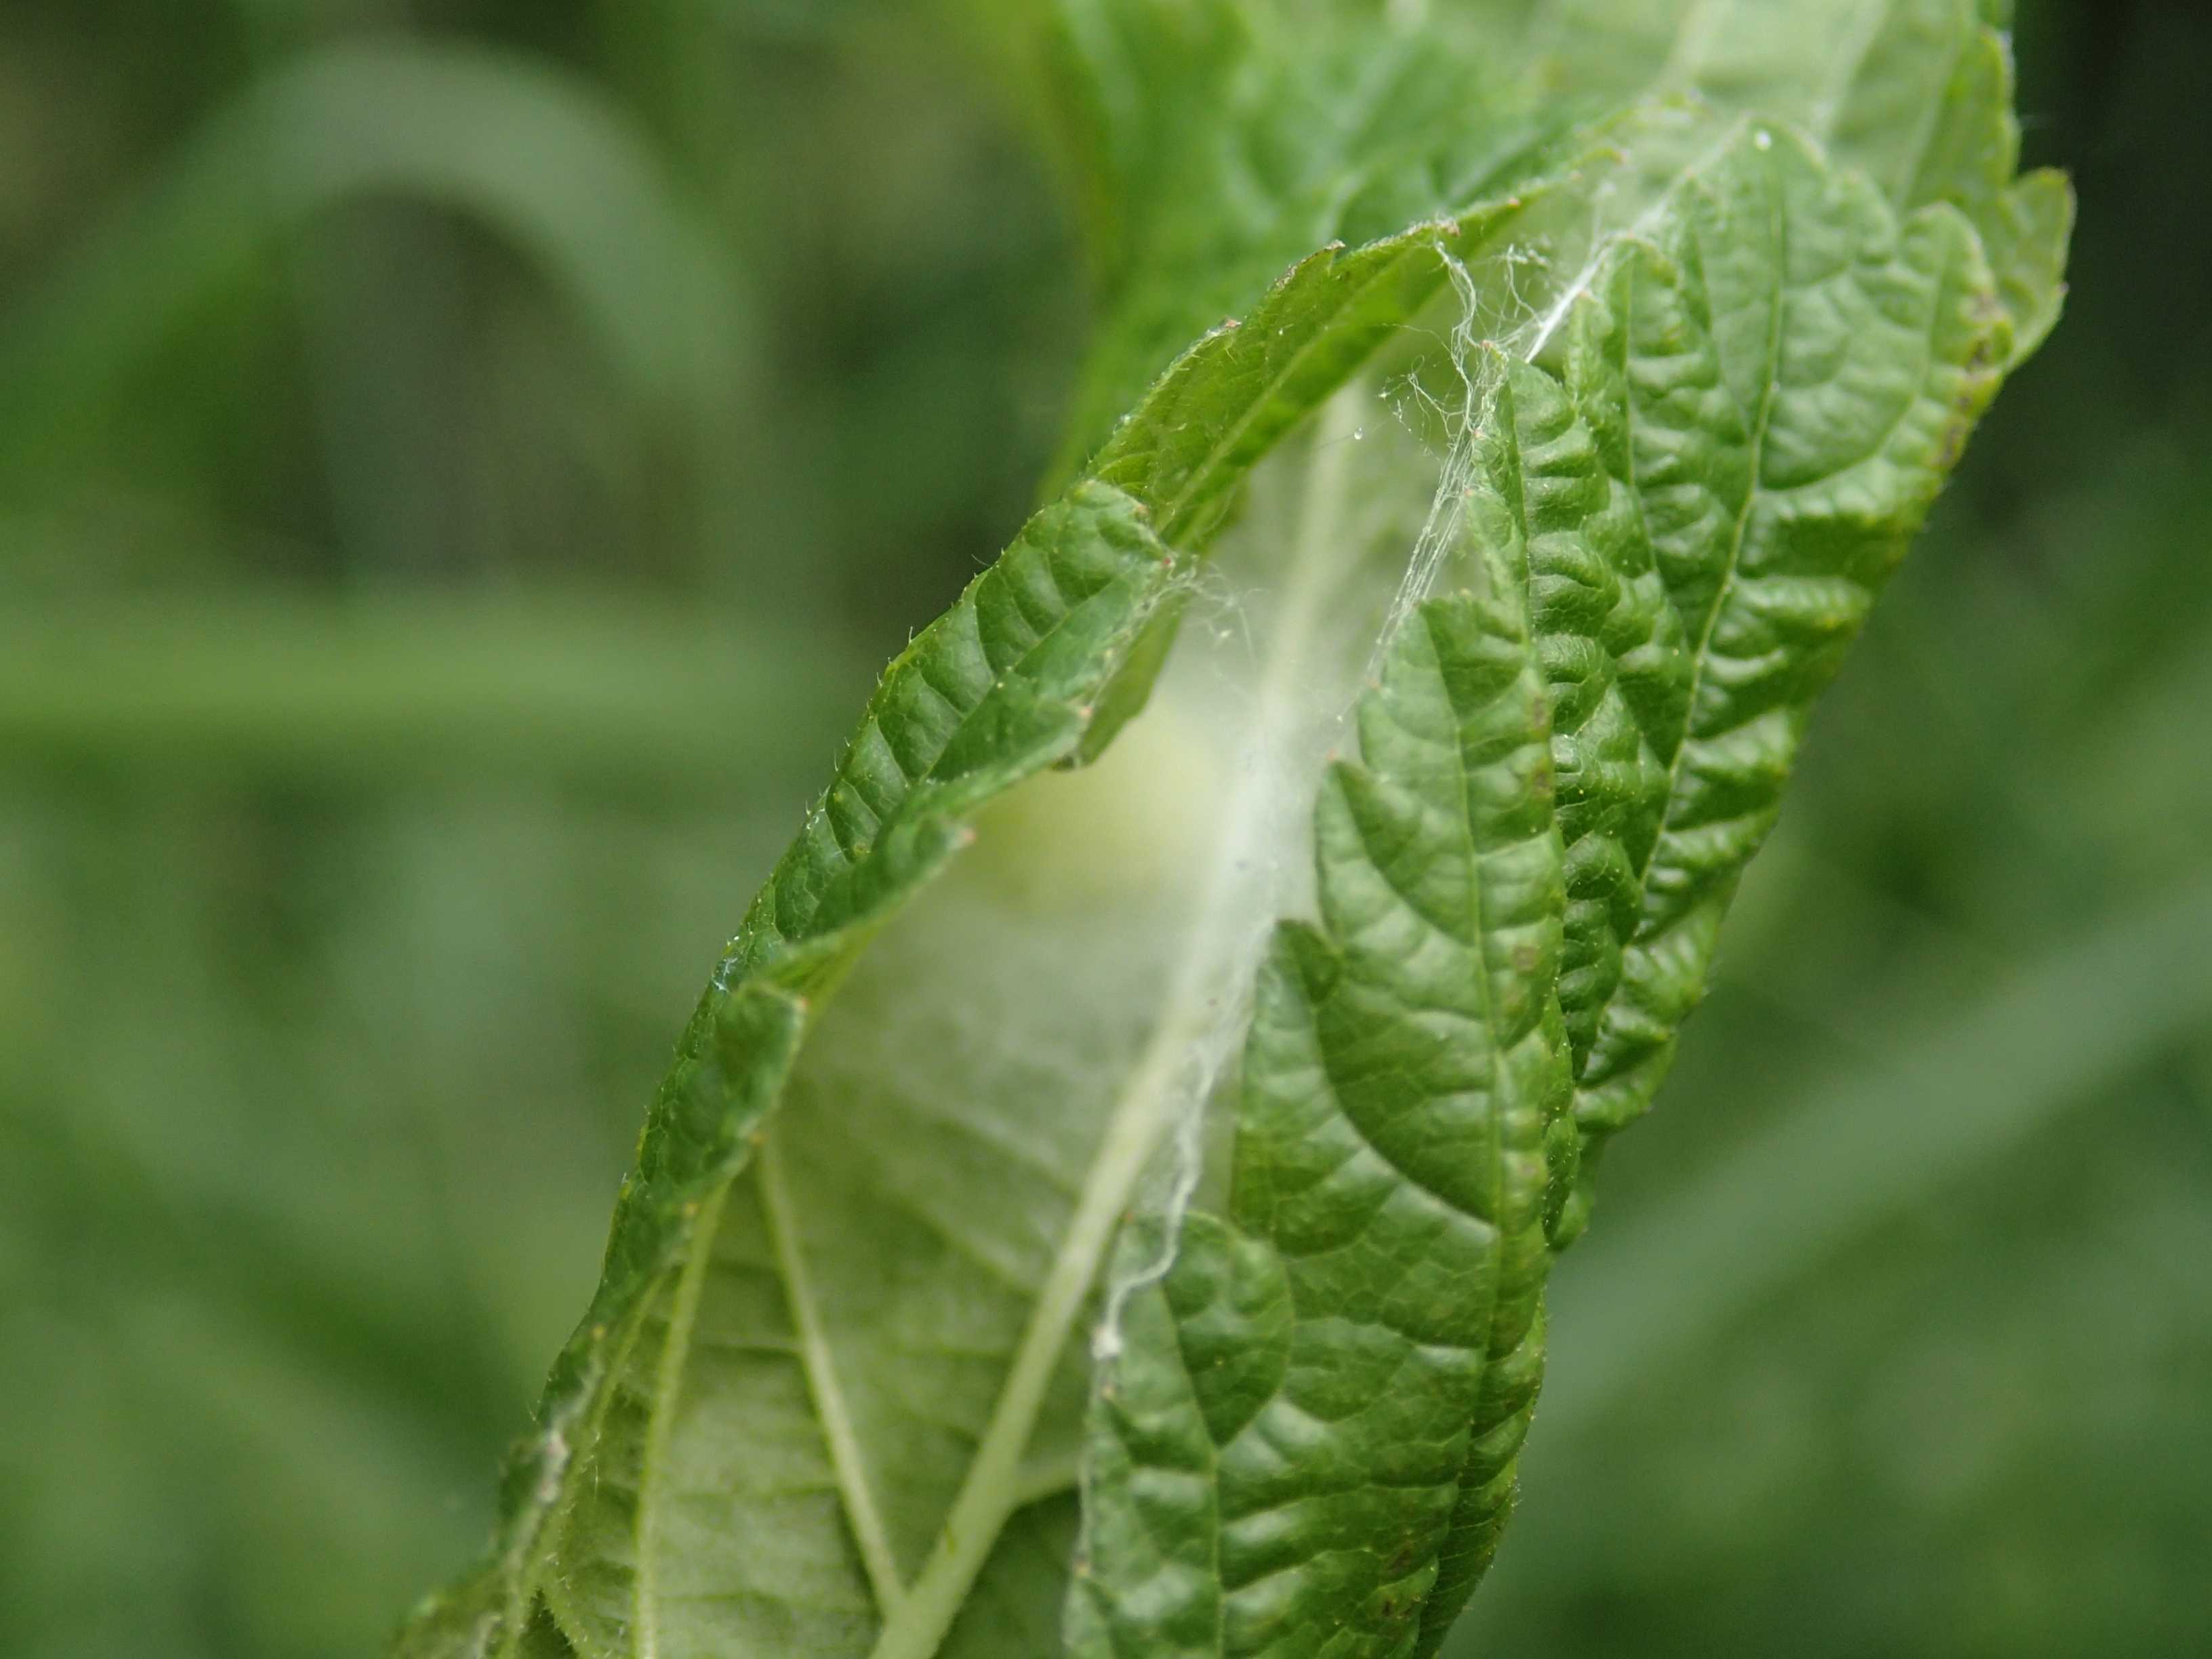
(836,1395)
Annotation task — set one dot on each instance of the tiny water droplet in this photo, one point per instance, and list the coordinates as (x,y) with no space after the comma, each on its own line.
(1762,139)
(1357,433)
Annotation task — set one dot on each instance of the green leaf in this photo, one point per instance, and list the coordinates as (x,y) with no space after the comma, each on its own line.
(1759,406)
(834,1393)
(1297,1442)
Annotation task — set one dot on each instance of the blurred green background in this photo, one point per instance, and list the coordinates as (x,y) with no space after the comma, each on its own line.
(461,463)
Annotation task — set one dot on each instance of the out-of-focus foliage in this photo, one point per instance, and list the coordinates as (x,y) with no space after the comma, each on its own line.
(459,464)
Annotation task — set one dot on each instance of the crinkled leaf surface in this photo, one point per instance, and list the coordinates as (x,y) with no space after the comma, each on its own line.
(836,1395)
(1295,1436)
(1757,408)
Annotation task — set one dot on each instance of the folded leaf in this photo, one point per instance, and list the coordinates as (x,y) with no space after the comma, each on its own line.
(979,1093)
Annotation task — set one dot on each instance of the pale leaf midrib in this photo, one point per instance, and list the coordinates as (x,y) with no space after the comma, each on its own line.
(823,1386)
(1756,492)
(1701,652)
